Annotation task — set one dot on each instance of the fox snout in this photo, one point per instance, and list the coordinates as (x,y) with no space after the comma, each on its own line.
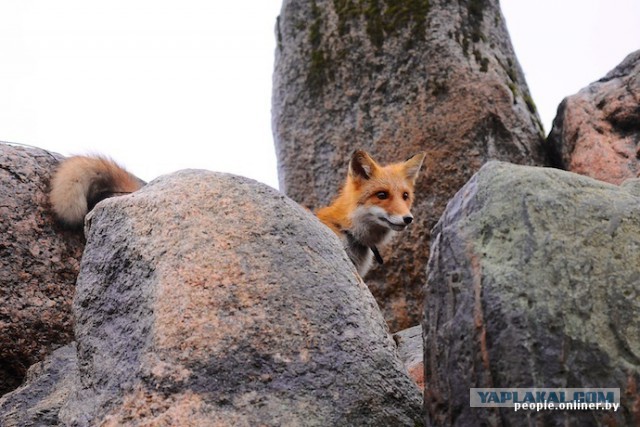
(397,222)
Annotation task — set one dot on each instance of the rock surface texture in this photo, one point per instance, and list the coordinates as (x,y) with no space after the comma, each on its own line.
(209,299)
(533,281)
(47,386)
(411,353)
(39,263)
(394,79)
(597,131)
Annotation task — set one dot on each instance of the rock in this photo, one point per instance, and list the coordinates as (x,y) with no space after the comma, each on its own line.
(632,185)
(533,280)
(210,299)
(395,79)
(411,353)
(39,263)
(47,386)
(596,131)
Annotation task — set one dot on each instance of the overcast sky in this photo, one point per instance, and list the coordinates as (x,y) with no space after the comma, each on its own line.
(167,85)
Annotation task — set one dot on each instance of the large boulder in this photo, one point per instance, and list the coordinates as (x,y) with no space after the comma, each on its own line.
(39,262)
(533,281)
(209,299)
(596,131)
(395,79)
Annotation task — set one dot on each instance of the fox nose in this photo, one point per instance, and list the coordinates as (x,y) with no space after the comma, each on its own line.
(408,219)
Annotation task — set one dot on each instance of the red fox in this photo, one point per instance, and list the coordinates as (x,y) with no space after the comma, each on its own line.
(81,182)
(373,201)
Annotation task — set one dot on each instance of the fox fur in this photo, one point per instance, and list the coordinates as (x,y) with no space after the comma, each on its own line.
(80,182)
(374,201)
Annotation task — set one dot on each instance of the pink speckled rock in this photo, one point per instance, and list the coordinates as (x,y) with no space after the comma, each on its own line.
(596,131)
(209,299)
(39,263)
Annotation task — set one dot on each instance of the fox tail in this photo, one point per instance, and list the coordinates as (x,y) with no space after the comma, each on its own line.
(81,182)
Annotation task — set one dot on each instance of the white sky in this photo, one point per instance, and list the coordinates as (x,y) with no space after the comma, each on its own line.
(164,85)
(563,45)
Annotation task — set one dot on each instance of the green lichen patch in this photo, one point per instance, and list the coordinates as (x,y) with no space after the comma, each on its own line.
(530,104)
(319,70)
(380,18)
(476,15)
(375,23)
(514,91)
(278,33)
(347,11)
(511,73)
(465,45)
(484,65)
(471,31)
(383,18)
(480,60)
(401,14)
(316,22)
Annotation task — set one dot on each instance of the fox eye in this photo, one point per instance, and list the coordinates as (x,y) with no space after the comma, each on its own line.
(405,196)
(382,195)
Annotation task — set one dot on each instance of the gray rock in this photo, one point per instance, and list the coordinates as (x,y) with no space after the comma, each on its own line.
(533,280)
(395,79)
(411,352)
(632,185)
(596,131)
(210,299)
(39,262)
(47,386)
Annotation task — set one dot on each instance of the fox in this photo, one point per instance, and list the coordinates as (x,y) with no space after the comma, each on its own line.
(373,202)
(80,182)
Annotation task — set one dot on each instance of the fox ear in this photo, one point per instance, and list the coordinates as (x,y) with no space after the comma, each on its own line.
(361,166)
(412,166)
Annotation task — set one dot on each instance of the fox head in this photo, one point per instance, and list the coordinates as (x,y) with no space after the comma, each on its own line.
(384,194)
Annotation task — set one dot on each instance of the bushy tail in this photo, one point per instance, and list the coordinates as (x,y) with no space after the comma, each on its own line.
(81,182)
